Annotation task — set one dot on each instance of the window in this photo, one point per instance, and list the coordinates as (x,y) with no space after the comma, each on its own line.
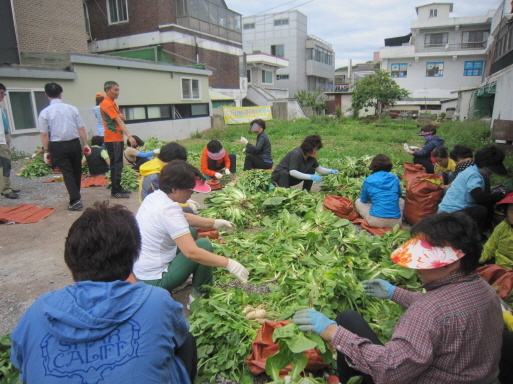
(249,76)
(24,106)
(118,11)
(278,50)
(435,69)
(433,13)
(473,68)
(249,26)
(282,77)
(267,77)
(474,39)
(319,54)
(399,70)
(436,39)
(190,89)
(278,22)
(139,113)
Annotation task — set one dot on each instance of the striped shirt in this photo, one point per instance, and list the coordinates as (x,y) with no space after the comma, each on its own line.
(61,120)
(450,334)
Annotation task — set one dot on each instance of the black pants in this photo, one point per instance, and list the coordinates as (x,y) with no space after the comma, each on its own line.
(115,150)
(189,355)
(505,363)
(67,156)
(284,180)
(426,163)
(233,164)
(353,322)
(255,162)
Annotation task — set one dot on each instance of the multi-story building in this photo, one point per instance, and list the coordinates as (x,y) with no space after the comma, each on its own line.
(284,34)
(441,55)
(190,32)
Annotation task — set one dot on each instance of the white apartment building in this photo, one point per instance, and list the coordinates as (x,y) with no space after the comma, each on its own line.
(443,54)
(284,34)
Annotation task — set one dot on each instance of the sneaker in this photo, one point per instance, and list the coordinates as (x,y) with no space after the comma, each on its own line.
(11,195)
(126,191)
(120,195)
(76,206)
(191,299)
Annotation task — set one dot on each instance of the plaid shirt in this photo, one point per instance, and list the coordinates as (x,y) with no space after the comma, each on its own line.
(450,334)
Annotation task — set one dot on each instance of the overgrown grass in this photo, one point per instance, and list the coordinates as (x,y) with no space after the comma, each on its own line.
(349,137)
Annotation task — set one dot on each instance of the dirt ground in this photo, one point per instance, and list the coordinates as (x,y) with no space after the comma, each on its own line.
(31,255)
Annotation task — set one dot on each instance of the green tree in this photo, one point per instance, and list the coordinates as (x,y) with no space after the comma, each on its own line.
(315,99)
(376,90)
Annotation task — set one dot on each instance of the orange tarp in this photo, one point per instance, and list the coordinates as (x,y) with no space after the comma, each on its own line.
(25,214)
(374,230)
(87,181)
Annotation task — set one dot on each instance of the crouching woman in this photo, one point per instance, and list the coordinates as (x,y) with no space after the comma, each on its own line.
(380,202)
(104,328)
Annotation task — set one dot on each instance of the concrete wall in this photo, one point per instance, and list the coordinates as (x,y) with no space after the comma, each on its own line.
(292,36)
(443,11)
(56,25)
(440,87)
(504,94)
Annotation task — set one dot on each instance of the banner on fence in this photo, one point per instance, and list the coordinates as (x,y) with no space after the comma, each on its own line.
(239,115)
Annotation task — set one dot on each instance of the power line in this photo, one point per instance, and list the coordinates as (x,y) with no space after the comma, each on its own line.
(275,7)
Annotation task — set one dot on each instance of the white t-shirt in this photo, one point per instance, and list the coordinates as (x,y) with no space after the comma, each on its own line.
(160,221)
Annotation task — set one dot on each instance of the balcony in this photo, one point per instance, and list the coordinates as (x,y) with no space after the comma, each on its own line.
(452,47)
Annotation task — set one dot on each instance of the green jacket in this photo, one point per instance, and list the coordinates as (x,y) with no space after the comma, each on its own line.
(500,246)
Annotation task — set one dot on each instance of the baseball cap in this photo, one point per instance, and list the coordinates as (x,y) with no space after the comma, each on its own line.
(201,186)
(216,156)
(497,168)
(100,94)
(255,127)
(420,254)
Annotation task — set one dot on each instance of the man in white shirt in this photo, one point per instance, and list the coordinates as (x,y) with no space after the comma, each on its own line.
(5,153)
(61,127)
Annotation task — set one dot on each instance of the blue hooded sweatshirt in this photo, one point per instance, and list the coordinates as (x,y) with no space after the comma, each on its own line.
(96,332)
(383,190)
(435,142)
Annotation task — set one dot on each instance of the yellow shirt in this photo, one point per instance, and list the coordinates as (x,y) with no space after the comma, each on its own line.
(451,167)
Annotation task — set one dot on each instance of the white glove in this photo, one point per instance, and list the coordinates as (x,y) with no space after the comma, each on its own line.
(46,158)
(194,205)
(156,151)
(238,270)
(244,150)
(406,147)
(227,171)
(243,140)
(224,225)
(218,175)
(34,155)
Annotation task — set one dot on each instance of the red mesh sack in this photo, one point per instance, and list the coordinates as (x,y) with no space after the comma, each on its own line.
(377,231)
(211,233)
(498,277)
(422,197)
(263,347)
(341,207)
(412,170)
(214,184)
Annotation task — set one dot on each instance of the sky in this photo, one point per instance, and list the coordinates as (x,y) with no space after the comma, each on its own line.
(357,28)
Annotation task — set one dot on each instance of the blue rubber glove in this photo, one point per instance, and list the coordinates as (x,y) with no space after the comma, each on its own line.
(378,288)
(334,171)
(311,320)
(316,178)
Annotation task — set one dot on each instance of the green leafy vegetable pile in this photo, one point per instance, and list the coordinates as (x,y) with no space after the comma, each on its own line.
(8,374)
(300,256)
(36,168)
(254,181)
(152,143)
(129,179)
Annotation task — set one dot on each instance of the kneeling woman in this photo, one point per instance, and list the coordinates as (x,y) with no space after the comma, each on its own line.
(300,165)
(380,202)
(169,253)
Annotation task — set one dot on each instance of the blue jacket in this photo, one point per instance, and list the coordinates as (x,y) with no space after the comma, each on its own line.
(430,145)
(95,332)
(383,190)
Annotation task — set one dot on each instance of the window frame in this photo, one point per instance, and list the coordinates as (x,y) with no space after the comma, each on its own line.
(397,72)
(433,12)
(171,116)
(264,76)
(248,26)
(280,22)
(248,74)
(283,77)
(445,40)
(117,12)
(10,115)
(440,73)
(276,48)
(191,89)
(469,71)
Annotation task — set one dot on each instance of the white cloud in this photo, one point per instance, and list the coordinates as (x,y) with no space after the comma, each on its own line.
(357,28)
